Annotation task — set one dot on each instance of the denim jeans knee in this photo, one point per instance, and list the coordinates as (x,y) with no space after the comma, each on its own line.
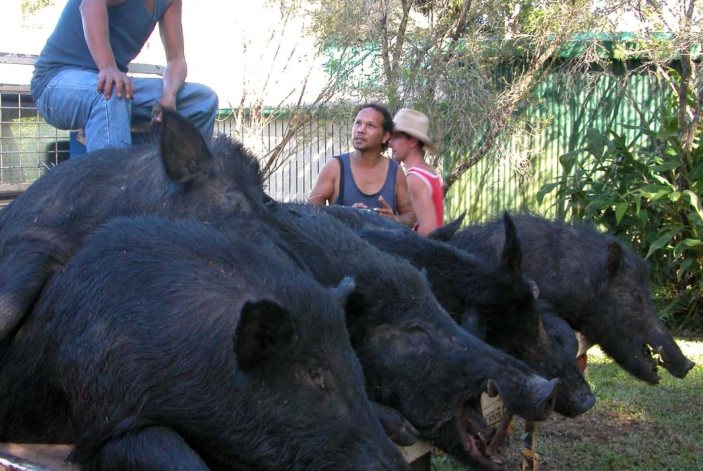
(71,101)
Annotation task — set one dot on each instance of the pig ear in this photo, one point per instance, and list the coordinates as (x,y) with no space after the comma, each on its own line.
(446,232)
(342,291)
(183,150)
(511,258)
(615,260)
(358,318)
(264,329)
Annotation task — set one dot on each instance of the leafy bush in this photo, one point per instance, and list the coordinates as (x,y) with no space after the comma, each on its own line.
(647,191)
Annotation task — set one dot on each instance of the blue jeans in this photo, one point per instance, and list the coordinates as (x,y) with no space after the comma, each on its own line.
(71,101)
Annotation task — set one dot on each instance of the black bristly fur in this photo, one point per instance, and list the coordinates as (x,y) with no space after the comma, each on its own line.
(166,344)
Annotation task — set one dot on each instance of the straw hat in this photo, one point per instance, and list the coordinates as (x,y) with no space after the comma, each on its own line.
(415,124)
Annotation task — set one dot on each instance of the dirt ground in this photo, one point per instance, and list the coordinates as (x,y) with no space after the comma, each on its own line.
(558,434)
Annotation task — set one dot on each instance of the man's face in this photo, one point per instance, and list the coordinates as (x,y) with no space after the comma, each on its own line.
(401,144)
(367,132)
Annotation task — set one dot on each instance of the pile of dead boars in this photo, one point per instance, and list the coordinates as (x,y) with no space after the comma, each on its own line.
(159,311)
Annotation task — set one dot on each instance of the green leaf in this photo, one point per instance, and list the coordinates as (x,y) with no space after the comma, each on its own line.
(595,142)
(567,160)
(654,192)
(662,180)
(686,244)
(692,242)
(661,242)
(652,189)
(680,247)
(695,202)
(697,171)
(620,210)
(546,188)
(668,165)
(665,133)
(685,267)
(597,204)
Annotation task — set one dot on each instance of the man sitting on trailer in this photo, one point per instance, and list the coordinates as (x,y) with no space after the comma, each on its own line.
(80,78)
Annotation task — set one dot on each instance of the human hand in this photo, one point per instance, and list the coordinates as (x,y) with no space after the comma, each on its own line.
(384,209)
(360,206)
(168,101)
(157,109)
(111,78)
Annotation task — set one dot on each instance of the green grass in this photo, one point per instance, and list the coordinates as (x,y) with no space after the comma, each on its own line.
(633,426)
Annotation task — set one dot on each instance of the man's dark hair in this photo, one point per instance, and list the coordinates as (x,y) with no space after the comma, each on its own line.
(387,118)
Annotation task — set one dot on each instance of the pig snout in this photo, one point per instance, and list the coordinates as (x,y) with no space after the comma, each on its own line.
(672,358)
(536,400)
(546,398)
(679,369)
(576,404)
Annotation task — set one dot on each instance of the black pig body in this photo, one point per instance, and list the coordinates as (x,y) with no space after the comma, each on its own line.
(493,301)
(179,177)
(594,282)
(416,359)
(168,345)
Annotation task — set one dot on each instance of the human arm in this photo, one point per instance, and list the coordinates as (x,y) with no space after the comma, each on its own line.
(421,197)
(325,188)
(171,31)
(406,212)
(97,36)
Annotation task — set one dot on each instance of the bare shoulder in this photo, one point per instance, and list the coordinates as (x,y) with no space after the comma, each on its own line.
(325,187)
(331,167)
(416,184)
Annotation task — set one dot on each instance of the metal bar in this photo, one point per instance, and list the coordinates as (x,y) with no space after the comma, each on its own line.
(30,59)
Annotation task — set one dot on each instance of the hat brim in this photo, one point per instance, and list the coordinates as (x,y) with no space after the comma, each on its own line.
(429,146)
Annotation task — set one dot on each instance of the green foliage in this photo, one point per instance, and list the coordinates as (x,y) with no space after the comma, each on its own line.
(647,192)
(446,58)
(30,7)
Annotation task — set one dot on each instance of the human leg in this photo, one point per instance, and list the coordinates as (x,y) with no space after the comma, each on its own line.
(71,101)
(198,103)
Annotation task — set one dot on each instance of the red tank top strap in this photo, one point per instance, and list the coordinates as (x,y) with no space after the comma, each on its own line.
(434,183)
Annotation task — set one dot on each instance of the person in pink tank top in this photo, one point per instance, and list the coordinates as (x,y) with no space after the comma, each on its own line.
(409,142)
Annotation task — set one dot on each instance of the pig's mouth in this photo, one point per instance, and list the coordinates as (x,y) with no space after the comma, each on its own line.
(661,350)
(462,433)
(654,358)
(479,444)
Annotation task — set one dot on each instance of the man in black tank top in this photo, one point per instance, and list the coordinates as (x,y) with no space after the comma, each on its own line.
(365,178)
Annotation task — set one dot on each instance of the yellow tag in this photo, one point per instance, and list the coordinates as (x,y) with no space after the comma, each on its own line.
(493,409)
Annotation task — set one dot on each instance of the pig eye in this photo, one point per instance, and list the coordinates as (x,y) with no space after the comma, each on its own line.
(317,378)
(234,199)
(637,296)
(416,328)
